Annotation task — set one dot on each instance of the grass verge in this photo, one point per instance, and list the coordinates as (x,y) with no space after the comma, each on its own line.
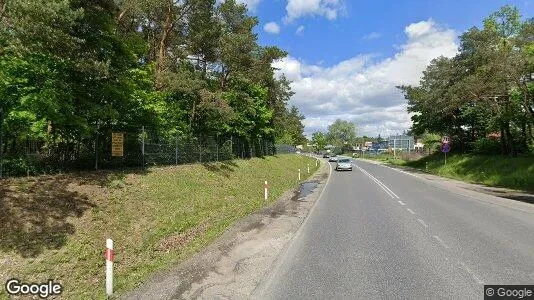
(54,227)
(490,170)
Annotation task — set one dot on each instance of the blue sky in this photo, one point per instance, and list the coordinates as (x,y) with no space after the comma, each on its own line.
(348,56)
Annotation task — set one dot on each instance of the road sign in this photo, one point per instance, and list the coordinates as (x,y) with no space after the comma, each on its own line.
(445,140)
(117,144)
(445,147)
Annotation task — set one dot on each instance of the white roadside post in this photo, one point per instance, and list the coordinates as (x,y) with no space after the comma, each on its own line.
(299,174)
(316,162)
(109,267)
(266,192)
(308,168)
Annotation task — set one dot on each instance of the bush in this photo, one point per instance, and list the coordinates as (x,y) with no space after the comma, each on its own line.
(486,146)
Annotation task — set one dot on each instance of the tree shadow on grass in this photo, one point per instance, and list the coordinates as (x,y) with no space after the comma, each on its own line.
(225,167)
(34,214)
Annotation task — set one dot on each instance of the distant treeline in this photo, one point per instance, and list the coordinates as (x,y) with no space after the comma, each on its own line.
(484,96)
(70,68)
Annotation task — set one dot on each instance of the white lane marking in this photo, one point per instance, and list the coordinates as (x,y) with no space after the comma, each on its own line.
(466,268)
(383,186)
(441,242)
(422,223)
(411,211)
(401,203)
(401,171)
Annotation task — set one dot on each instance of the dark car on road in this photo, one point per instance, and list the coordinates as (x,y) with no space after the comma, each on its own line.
(326,155)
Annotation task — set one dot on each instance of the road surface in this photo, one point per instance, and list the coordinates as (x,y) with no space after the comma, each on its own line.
(379,233)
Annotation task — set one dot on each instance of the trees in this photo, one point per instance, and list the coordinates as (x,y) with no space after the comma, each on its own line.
(342,134)
(70,67)
(320,139)
(485,88)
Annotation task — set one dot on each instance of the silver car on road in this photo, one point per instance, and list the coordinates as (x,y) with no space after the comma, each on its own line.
(343,164)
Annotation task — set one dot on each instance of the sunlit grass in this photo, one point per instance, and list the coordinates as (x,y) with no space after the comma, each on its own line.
(155,218)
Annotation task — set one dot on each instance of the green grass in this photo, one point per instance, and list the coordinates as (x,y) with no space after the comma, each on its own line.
(54,227)
(491,170)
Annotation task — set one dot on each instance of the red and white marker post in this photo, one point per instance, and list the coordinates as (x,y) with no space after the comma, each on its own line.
(266,188)
(109,267)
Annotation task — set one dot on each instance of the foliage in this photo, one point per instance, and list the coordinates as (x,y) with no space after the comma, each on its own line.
(70,68)
(342,133)
(320,139)
(485,89)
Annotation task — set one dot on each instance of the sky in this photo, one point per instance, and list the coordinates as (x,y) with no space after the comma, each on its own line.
(346,57)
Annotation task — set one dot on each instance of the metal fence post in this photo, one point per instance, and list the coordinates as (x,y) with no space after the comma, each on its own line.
(96,144)
(143,146)
(1,140)
(176,150)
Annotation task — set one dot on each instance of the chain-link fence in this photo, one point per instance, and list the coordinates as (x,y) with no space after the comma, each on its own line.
(142,147)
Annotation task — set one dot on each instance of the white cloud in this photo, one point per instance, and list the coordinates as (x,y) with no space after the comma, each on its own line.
(251,4)
(300,30)
(362,89)
(329,9)
(271,27)
(372,36)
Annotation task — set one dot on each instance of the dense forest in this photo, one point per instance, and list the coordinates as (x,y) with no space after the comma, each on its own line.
(484,96)
(72,68)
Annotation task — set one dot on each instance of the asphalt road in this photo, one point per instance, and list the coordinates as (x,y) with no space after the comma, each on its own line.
(378,233)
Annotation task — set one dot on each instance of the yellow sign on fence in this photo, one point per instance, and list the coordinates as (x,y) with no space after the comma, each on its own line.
(117,144)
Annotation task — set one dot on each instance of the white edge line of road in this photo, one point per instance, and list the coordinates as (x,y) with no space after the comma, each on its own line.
(459,192)
(422,223)
(468,270)
(379,183)
(278,262)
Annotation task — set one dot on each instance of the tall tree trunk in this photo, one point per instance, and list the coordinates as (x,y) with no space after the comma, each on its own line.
(2,9)
(162,46)
(524,137)
(503,140)
(509,139)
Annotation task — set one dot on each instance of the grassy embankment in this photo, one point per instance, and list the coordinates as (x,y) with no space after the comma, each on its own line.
(54,227)
(491,170)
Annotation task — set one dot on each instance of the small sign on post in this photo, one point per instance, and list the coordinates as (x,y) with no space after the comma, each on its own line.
(445,146)
(117,144)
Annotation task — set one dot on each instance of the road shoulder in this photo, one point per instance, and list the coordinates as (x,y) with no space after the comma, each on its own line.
(236,262)
(510,198)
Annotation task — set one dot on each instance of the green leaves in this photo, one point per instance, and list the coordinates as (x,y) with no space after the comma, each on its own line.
(482,90)
(190,66)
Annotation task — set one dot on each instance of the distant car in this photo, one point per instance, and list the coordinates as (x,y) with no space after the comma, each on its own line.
(343,164)
(333,158)
(326,155)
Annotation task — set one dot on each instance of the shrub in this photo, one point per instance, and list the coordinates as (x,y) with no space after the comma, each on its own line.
(486,146)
